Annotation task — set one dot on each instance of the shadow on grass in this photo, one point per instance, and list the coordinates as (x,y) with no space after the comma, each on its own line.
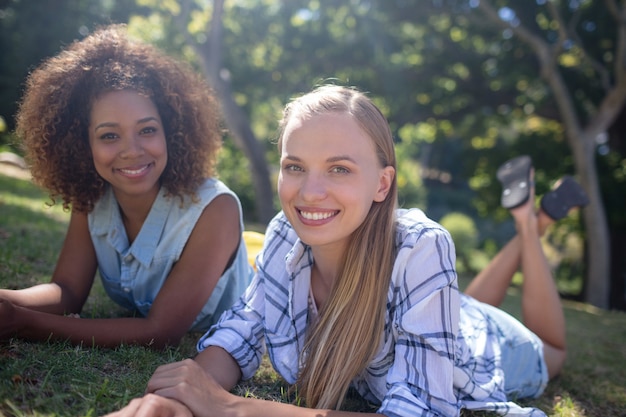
(31,234)
(21,187)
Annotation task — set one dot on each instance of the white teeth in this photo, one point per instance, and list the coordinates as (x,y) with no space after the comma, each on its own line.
(133,171)
(315,216)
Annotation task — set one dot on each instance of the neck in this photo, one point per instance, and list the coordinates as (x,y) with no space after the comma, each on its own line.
(134,212)
(324,273)
(327,260)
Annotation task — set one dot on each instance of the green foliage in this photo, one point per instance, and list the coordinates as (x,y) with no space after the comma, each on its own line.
(31,31)
(233,169)
(465,237)
(564,248)
(461,96)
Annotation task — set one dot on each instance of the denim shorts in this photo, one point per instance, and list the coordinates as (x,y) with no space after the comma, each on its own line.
(523,363)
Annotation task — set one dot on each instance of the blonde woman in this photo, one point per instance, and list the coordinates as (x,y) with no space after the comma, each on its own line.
(353,292)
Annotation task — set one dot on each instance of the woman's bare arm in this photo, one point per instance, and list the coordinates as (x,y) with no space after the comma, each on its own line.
(213,241)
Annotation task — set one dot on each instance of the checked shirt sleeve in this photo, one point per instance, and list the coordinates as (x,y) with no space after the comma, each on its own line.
(250,326)
(425,324)
(240,330)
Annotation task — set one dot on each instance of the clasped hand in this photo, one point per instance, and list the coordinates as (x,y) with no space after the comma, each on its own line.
(181,389)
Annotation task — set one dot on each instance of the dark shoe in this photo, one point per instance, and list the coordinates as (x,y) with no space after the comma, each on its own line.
(514,175)
(558,202)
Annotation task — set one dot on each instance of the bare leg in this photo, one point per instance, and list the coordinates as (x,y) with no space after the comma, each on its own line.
(491,284)
(542,312)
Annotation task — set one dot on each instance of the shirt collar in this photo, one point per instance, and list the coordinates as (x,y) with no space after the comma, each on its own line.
(298,258)
(145,244)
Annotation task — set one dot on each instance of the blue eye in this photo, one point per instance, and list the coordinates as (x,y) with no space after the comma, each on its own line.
(292,167)
(340,170)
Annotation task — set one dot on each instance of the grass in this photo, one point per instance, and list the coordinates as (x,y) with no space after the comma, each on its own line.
(57,379)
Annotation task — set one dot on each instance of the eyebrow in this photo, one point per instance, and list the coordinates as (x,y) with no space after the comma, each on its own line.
(332,159)
(113,124)
(340,158)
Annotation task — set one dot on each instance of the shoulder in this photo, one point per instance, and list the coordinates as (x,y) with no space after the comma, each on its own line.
(216,206)
(413,225)
(100,217)
(279,232)
(425,261)
(280,240)
(212,187)
(279,222)
(193,206)
(425,250)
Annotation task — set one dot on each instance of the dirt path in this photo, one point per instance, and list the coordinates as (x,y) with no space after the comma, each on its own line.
(12,165)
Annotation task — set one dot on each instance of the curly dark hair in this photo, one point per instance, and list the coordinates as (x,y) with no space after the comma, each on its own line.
(53,116)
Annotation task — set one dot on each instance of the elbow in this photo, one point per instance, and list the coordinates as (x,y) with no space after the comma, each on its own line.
(69,301)
(161,339)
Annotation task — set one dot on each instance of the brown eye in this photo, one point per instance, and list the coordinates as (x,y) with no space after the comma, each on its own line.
(148,130)
(108,136)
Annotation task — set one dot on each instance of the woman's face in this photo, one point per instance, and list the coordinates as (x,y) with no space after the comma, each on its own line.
(128,143)
(329,178)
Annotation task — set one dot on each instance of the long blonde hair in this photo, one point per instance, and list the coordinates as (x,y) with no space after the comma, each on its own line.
(350,325)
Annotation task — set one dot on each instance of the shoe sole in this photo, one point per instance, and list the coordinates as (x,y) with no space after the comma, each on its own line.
(515,178)
(558,202)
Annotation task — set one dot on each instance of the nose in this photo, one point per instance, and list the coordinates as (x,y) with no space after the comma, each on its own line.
(313,187)
(132,147)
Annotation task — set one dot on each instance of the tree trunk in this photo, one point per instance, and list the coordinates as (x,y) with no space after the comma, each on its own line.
(582,140)
(598,273)
(236,119)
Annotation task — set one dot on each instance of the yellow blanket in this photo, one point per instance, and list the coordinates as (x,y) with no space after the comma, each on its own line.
(254,244)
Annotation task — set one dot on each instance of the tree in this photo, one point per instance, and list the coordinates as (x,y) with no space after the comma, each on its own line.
(236,119)
(515,77)
(33,31)
(583,126)
(200,28)
(274,50)
(461,95)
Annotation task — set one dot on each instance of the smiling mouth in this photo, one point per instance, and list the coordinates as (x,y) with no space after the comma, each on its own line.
(316,215)
(137,171)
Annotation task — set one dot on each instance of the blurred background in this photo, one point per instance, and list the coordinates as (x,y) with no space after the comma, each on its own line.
(465,85)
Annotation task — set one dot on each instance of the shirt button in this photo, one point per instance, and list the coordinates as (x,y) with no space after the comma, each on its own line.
(128,258)
(126,289)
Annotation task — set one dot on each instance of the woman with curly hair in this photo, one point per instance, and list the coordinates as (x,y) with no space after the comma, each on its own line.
(126,138)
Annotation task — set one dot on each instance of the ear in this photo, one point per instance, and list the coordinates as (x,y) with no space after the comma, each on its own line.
(384,184)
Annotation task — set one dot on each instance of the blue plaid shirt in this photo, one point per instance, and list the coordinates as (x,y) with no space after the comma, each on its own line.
(422,367)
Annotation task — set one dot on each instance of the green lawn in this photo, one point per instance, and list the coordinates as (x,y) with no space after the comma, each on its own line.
(57,379)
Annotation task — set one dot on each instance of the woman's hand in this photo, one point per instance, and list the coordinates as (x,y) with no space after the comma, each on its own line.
(188,383)
(152,405)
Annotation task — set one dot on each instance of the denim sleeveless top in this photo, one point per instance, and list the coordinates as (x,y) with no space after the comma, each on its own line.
(132,275)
